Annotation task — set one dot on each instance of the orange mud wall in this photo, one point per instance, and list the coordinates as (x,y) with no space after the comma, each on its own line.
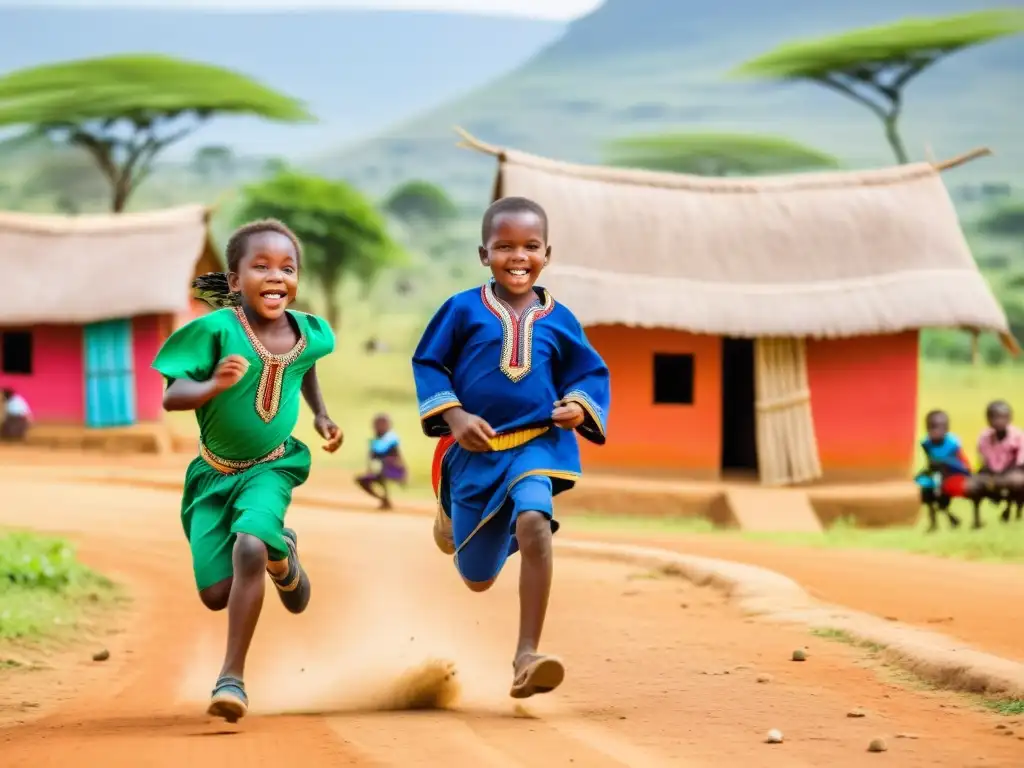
(679,440)
(864,400)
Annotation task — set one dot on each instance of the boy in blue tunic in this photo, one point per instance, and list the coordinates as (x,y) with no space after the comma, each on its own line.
(504,375)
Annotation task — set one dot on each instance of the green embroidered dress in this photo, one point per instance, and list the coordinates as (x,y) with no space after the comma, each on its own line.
(249,463)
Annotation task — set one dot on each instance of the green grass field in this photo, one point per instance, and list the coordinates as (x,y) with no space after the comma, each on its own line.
(44,589)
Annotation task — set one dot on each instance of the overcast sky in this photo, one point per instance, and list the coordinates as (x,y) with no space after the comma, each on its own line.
(540,9)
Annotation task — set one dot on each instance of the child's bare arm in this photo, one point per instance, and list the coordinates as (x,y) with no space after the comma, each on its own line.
(187,395)
(312,393)
(314,398)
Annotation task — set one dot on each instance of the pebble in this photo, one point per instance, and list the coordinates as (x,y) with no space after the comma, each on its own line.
(774,736)
(857,713)
(764,678)
(799,655)
(878,745)
(101,655)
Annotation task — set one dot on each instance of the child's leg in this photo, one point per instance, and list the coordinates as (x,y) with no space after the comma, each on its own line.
(261,506)
(532,509)
(369,484)
(249,559)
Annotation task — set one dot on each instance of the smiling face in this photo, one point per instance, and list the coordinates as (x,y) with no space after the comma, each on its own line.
(516,251)
(267,275)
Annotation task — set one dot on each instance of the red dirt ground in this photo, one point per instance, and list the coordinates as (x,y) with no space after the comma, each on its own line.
(660,672)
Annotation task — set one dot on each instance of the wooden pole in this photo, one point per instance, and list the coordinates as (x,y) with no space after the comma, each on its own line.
(963,159)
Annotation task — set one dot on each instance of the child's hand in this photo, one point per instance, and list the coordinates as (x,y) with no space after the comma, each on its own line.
(469,431)
(567,415)
(329,431)
(229,372)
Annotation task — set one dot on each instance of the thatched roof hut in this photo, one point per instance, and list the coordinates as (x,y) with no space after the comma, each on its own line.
(89,299)
(81,269)
(869,255)
(815,254)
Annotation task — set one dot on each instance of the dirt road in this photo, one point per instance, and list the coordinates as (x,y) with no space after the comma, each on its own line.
(660,673)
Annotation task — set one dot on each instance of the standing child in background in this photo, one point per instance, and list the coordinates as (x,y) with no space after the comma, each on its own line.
(385,461)
(1001,447)
(947,471)
(241,369)
(497,368)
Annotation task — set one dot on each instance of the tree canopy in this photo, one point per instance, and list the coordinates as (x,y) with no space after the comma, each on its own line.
(1005,221)
(420,201)
(343,234)
(716,154)
(124,110)
(873,65)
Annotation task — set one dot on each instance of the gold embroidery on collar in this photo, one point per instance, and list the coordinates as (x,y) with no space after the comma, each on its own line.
(516,332)
(268,393)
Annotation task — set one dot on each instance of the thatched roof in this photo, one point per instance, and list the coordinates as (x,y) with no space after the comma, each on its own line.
(814,254)
(83,269)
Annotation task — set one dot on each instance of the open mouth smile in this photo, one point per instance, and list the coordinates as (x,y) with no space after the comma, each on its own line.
(273,295)
(518,272)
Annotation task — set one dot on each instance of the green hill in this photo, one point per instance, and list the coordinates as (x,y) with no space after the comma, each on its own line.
(642,66)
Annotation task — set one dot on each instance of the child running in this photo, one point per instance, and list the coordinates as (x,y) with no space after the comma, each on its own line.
(241,369)
(497,368)
(947,472)
(384,460)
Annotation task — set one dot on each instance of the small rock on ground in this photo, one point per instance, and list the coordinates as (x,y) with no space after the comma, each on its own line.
(877,745)
(101,655)
(799,655)
(774,736)
(857,712)
(764,678)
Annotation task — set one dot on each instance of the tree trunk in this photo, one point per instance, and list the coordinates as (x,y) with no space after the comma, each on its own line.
(331,284)
(892,135)
(122,191)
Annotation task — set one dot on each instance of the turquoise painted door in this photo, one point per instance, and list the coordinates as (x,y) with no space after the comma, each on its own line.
(109,374)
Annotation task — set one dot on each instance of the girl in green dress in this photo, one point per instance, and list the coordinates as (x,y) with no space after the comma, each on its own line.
(242,369)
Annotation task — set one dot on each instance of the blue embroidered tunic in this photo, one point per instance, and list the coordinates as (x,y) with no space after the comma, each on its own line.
(510,370)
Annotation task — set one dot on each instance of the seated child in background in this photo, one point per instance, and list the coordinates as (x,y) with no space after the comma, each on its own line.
(16,416)
(1001,448)
(384,462)
(947,472)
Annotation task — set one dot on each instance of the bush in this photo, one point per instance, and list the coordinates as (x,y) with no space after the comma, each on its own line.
(34,562)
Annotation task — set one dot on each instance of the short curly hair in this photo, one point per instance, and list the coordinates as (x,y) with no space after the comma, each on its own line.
(213,288)
(240,239)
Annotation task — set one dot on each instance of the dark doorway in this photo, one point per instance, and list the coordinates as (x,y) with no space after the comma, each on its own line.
(739,426)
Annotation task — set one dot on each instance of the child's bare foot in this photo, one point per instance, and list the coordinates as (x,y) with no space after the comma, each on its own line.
(385,505)
(536,673)
(443,536)
(293,587)
(228,699)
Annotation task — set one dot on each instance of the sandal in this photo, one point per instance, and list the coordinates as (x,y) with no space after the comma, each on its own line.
(541,675)
(293,588)
(228,700)
(443,536)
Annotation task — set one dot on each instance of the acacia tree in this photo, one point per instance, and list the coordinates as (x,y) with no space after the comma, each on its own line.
(873,66)
(417,201)
(125,110)
(716,154)
(342,233)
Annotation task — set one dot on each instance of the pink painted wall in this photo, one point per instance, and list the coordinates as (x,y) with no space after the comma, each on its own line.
(148,334)
(54,391)
(864,401)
